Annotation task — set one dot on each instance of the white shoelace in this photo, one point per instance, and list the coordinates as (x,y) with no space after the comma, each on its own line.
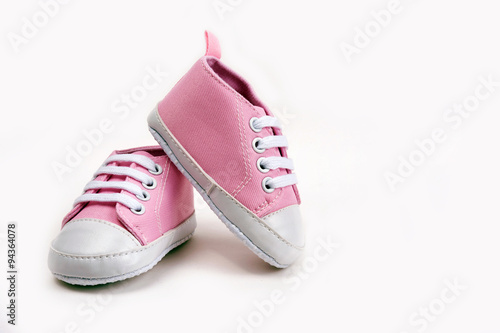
(273,162)
(147,181)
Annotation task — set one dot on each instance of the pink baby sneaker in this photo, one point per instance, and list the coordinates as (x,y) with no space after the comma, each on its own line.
(138,208)
(230,147)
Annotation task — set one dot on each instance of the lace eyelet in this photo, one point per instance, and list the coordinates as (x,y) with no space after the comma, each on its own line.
(260,167)
(145,196)
(266,188)
(138,212)
(252,126)
(150,186)
(255,142)
(157,171)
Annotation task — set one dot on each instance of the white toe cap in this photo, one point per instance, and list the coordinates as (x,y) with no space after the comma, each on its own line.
(91,251)
(92,248)
(93,237)
(287,222)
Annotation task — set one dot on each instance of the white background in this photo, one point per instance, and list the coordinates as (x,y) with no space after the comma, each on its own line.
(348,123)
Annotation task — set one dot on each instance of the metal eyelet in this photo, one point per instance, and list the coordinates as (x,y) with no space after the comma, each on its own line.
(144,197)
(138,212)
(254,146)
(252,126)
(266,188)
(157,171)
(150,186)
(260,167)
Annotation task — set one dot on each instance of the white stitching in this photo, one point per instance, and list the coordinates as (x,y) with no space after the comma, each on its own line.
(258,220)
(245,210)
(267,204)
(236,191)
(134,227)
(246,158)
(244,148)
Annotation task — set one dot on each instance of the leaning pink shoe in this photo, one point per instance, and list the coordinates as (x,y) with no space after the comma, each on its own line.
(137,209)
(229,145)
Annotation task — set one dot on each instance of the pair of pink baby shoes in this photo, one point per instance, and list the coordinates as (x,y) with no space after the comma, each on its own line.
(215,135)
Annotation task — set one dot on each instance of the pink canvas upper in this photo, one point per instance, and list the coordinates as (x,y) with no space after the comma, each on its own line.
(209,111)
(170,204)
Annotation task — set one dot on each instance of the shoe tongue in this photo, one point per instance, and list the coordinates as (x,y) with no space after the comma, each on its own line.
(143,153)
(107,210)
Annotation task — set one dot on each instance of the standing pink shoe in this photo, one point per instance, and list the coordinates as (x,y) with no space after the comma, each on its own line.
(229,145)
(137,209)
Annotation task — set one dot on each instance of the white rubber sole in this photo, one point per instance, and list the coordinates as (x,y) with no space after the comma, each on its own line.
(145,257)
(255,234)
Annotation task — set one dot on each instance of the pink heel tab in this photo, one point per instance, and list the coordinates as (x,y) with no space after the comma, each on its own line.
(213,46)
